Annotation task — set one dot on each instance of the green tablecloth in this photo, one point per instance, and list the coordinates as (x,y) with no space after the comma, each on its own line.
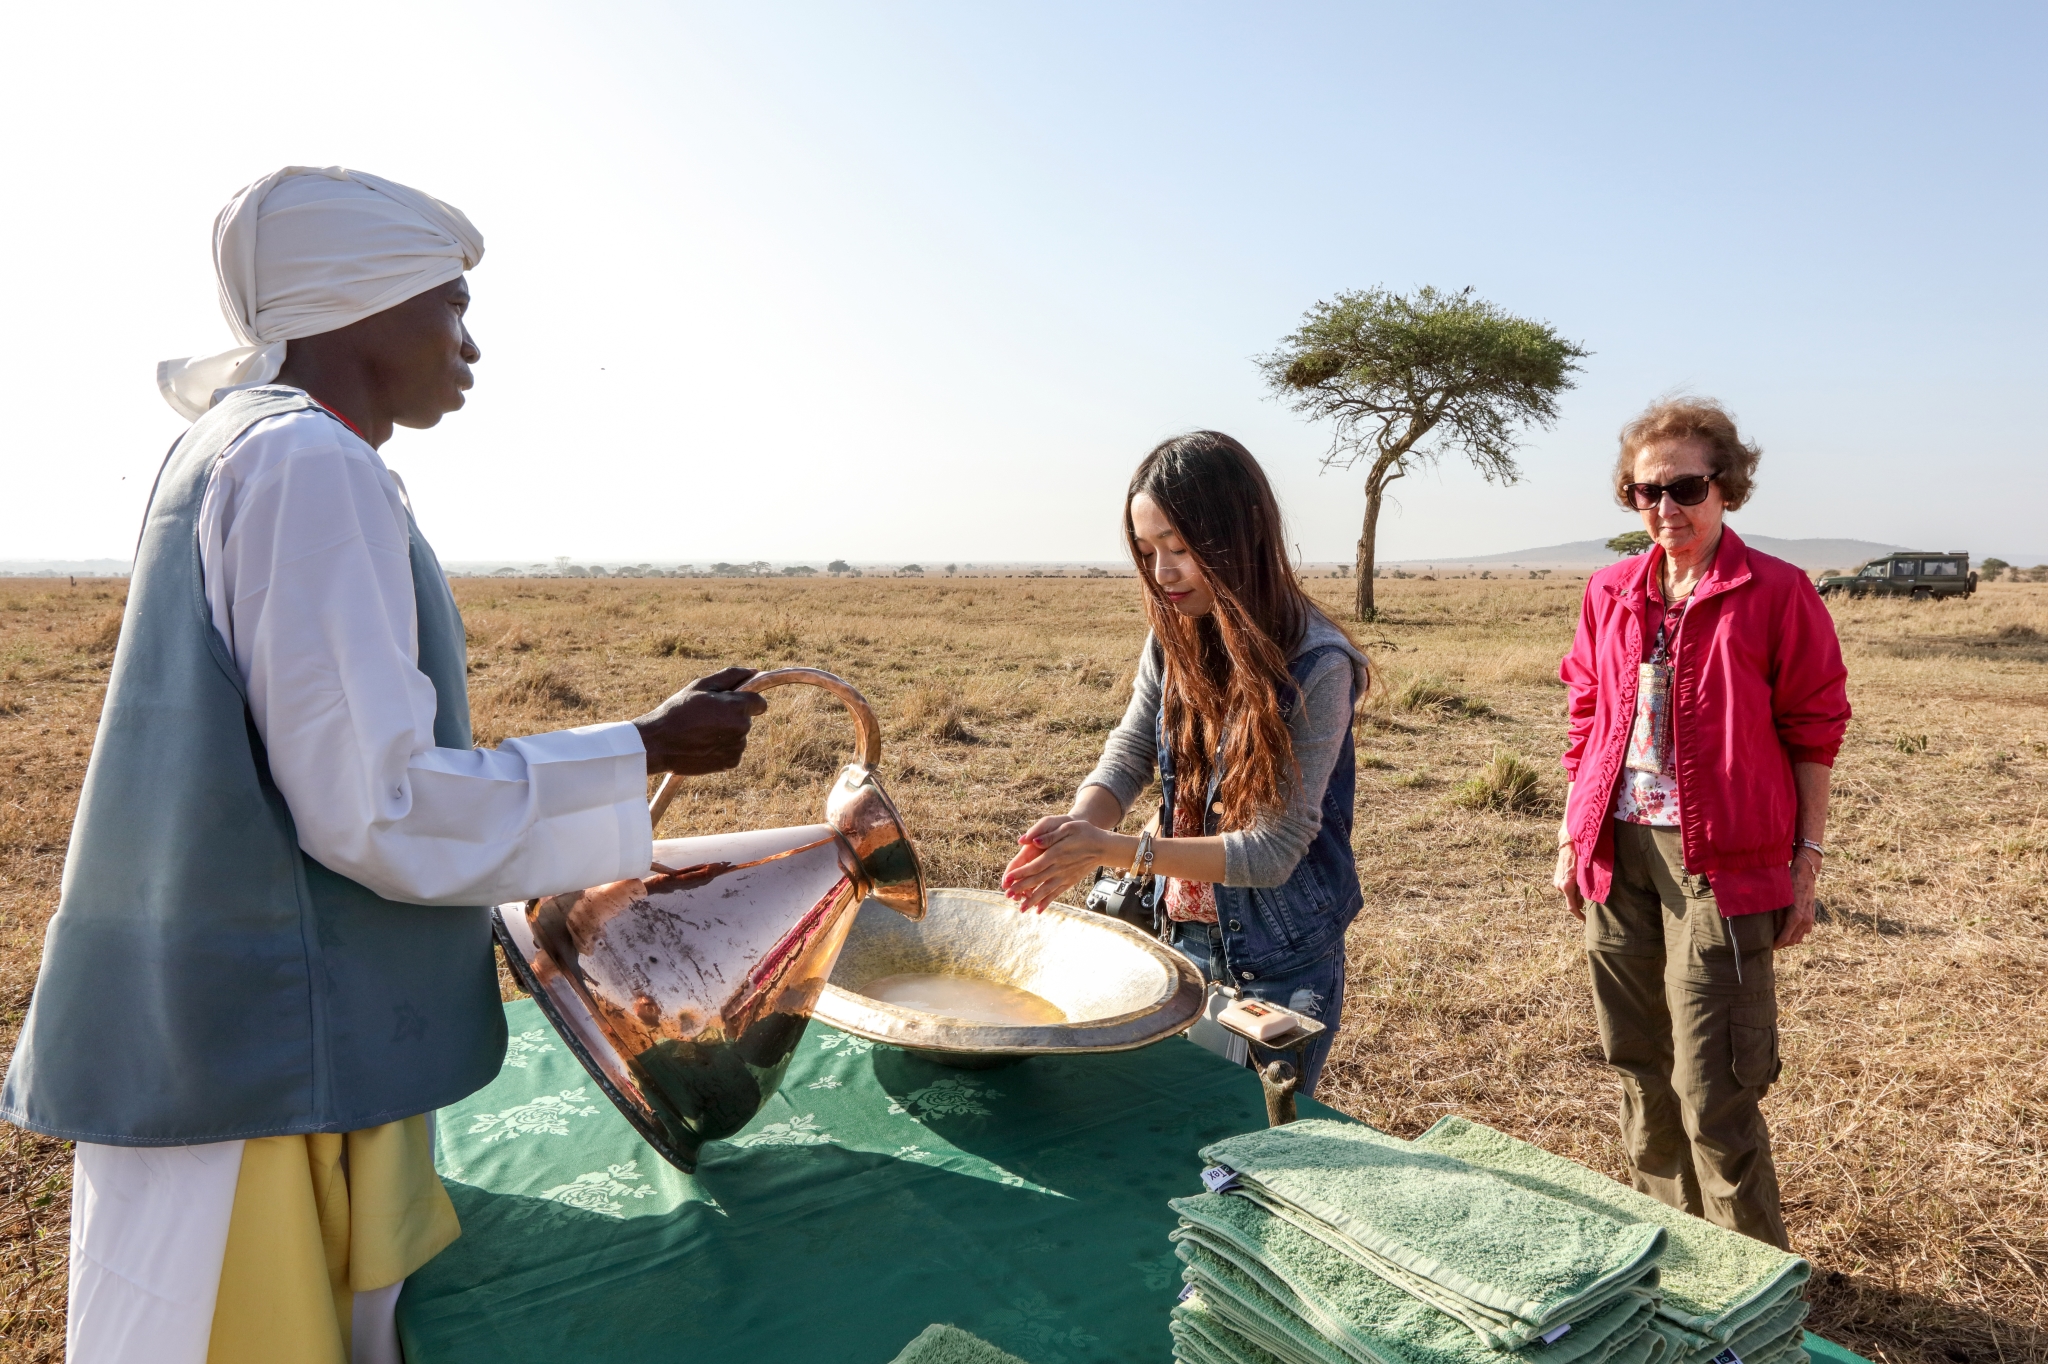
(876,1194)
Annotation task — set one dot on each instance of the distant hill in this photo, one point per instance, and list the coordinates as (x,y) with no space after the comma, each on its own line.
(1595,554)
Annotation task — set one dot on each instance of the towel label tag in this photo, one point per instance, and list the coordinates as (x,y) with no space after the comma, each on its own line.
(1219,1179)
(1557,1333)
(1187,1291)
(1726,1357)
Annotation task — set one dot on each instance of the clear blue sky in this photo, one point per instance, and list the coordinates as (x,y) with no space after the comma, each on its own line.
(895,281)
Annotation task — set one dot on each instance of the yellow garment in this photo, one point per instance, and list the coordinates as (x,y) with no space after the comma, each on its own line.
(307,1235)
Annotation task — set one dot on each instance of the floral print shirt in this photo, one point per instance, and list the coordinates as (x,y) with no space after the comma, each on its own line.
(1648,791)
(1189,902)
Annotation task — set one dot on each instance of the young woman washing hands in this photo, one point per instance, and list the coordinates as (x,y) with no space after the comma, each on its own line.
(1242,706)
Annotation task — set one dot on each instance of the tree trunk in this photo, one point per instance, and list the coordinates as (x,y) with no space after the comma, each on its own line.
(1366,536)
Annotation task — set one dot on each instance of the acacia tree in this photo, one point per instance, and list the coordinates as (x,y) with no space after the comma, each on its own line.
(1629,542)
(1409,379)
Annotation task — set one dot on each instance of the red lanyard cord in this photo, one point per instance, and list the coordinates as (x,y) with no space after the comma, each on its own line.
(343,420)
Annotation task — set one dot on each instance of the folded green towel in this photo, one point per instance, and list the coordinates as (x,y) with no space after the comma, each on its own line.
(941,1344)
(1299,1298)
(1190,1347)
(1201,1337)
(1494,1328)
(1772,1337)
(1255,1315)
(1508,1262)
(1258,1316)
(1714,1281)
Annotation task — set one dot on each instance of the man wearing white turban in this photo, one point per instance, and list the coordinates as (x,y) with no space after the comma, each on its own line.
(271,956)
(306,251)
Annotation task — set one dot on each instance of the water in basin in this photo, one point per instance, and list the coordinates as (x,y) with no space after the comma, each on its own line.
(964,997)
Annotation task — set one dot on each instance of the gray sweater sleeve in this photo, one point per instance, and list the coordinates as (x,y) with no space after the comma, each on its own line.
(1266,853)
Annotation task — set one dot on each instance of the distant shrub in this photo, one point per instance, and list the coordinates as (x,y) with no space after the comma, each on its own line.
(1909,743)
(780,636)
(1082,724)
(1433,693)
(671,646)
(102,635)
(938,713)
(541,687)
(1509,782)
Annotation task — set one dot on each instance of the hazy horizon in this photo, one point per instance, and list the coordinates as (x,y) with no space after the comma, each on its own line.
(1854,549)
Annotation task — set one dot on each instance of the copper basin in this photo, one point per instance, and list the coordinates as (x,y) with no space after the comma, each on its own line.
(1118,988)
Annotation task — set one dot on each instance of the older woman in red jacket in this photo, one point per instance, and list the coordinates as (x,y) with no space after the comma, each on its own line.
(1707,701)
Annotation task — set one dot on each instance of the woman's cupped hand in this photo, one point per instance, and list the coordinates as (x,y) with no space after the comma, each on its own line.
(1053,854)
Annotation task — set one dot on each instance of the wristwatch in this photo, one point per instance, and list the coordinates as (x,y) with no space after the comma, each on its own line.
(1141,864)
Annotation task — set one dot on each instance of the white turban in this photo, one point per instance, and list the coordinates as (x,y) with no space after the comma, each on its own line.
(309,250)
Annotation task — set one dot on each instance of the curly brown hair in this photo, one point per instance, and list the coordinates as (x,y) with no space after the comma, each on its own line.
(1734,459)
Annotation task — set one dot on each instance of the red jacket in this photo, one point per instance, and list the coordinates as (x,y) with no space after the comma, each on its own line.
(1758,684)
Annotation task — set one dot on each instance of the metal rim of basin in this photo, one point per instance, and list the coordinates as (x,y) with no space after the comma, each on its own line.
(1169,1011)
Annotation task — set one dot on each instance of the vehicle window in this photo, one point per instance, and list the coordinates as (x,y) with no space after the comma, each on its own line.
(1905,568)
(1943,568)
(1872,571)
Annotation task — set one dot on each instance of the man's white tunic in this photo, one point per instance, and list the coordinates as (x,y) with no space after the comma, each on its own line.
(305,551)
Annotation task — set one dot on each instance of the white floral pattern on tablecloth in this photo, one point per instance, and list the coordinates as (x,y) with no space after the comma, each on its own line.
(1032,1325)
(1161,1271)
(520,1050)
(801,1130)
(548,1115)
(599,1191)
(951,1096)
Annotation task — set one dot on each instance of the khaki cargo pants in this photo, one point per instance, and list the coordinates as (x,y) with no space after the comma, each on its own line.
(1697,1047)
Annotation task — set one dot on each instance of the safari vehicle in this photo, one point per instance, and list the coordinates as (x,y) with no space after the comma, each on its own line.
(1919,574)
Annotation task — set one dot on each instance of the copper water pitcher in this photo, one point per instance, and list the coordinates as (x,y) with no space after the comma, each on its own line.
(684,992)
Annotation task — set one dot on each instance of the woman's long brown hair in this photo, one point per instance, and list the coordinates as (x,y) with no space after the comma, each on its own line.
(1226,672)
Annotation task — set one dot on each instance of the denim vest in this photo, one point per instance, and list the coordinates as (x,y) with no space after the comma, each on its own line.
(1272,930)
(203,979)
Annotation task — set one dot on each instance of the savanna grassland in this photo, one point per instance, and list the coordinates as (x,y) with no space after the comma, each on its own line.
(1910,1120)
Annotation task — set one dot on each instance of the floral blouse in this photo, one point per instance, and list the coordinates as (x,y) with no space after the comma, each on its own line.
(1648,792)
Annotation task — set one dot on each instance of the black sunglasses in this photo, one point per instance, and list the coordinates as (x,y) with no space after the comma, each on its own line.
(1689,491)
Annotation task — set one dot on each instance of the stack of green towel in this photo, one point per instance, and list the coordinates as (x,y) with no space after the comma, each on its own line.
(1336,1244)
(1720,1290)
(943,1344)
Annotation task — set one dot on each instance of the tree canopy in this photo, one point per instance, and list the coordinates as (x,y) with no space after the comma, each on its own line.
(1629,542)
(1406,379)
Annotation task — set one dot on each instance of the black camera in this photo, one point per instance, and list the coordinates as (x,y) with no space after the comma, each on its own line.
(1120,895)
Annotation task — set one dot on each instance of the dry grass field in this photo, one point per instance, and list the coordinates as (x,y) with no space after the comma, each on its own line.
(1909,1123)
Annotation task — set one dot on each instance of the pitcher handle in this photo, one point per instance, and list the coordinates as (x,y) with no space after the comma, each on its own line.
(867,733)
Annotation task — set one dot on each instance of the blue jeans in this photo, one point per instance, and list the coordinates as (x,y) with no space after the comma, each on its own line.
(1316,990)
